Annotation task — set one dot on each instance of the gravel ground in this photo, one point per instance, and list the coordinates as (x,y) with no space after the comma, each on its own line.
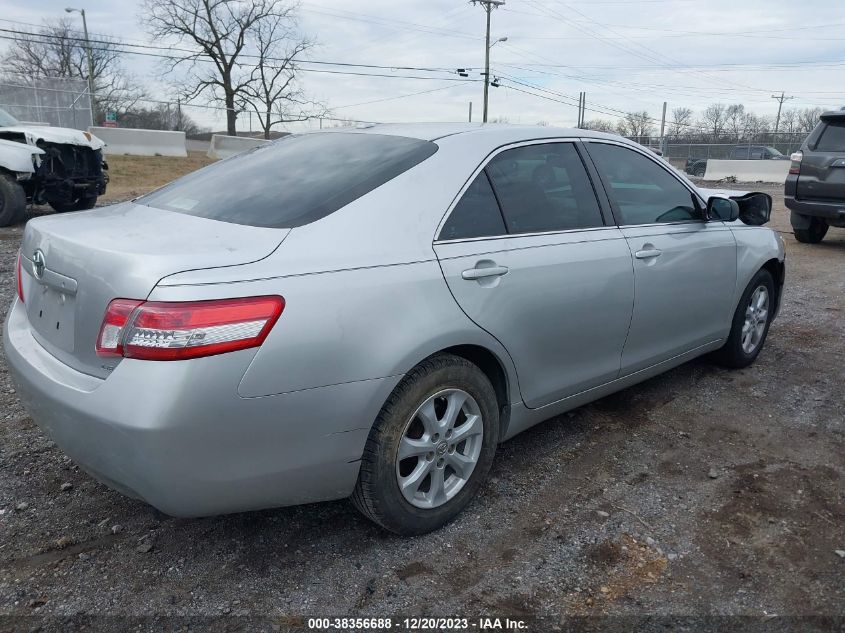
(703,491)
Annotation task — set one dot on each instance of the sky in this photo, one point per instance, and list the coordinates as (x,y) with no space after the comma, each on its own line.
(627,55)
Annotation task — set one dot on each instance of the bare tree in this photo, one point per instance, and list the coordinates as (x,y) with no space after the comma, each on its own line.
(808,118)
(224,32)
(735,120)
(58,50)
(789,121)
(713,119)
(273,92)
(636,124)
(755,125)
(600,125)
(681,121)
(159,117)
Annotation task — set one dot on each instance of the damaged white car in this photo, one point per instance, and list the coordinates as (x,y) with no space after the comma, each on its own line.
(61,167)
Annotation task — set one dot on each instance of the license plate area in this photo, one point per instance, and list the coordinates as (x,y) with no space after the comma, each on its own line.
(51,313)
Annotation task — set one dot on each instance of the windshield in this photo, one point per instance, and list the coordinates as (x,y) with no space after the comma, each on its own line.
(7,119)
(292,181)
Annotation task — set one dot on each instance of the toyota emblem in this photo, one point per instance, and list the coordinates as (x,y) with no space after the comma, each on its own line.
(38,264)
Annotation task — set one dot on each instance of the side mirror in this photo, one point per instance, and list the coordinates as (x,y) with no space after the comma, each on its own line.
(755,209)
(723,209)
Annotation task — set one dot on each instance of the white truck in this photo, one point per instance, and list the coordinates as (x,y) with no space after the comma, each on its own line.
(61,167)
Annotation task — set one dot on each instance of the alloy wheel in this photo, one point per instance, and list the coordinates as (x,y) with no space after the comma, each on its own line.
(756,318)
(439,448)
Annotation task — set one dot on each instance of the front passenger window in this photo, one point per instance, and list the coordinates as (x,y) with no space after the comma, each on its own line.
(642,191)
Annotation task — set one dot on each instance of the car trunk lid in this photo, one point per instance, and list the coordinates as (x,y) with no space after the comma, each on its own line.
(74,265)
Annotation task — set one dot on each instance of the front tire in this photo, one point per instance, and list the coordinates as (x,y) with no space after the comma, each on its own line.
(814,234)
(431,447)
(751,323)
(12,201)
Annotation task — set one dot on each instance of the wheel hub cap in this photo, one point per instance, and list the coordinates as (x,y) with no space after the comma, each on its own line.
(439,448)
(756,319)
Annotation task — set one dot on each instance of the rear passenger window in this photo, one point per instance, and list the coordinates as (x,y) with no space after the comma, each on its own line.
(643,191)
(833,138)
(476,214)
(544,188)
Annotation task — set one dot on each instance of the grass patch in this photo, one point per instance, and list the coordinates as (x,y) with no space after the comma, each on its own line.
(131,176)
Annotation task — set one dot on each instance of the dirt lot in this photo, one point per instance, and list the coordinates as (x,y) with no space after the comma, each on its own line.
(703,491)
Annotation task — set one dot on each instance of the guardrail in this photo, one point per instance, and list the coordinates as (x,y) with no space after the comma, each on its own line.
(136,142)
(774,171)
(223,146)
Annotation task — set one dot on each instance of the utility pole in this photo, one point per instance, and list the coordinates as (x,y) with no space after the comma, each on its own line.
(780,100)
(488,5)
(663,130)
(90,60)
(582,109)
(470,111)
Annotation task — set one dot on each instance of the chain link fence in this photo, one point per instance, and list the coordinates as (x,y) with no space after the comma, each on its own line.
(57,102)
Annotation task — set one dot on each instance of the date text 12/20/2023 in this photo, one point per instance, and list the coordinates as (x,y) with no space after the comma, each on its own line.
(417,624)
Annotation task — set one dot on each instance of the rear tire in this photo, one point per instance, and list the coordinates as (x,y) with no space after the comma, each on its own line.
(814,234)
(12,201)
(699,170)
(750,324)
(392,491)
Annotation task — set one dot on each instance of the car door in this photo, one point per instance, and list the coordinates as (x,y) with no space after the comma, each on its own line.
(684,265)
(527,255)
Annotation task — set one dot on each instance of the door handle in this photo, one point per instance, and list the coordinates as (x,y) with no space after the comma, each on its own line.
(483,273)
(648,253)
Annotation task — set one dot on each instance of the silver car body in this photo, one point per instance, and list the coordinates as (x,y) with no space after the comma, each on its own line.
(369,292)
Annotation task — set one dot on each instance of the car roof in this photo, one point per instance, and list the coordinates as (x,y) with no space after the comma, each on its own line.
(833,114)
(492,131)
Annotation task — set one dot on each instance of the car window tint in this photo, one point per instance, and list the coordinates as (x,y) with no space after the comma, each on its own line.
(544,188)
(293,181)
(833,137)
(476,214)
(643,191)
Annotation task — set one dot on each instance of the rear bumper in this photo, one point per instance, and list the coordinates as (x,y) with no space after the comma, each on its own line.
(177,435)
(827,210)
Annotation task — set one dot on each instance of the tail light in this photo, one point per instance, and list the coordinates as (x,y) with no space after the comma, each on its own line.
(19,277)
(156,330)
(796,158)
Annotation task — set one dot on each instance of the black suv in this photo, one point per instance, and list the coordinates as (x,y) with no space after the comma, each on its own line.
(697,166)
(815,187)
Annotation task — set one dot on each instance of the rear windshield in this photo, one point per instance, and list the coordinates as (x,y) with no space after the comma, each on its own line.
(292,181)
(833,137)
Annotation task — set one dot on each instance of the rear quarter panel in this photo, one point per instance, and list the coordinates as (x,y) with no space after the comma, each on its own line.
(350,325)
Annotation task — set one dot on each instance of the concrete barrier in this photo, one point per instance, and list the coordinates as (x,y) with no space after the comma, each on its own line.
(223,146)
(774,171)
(121,140)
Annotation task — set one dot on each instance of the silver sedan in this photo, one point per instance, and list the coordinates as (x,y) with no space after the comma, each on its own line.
(368,313)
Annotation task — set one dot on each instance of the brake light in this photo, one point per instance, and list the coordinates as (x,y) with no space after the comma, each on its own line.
(109,342)
(19,277)
(796,158)
(157,330)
